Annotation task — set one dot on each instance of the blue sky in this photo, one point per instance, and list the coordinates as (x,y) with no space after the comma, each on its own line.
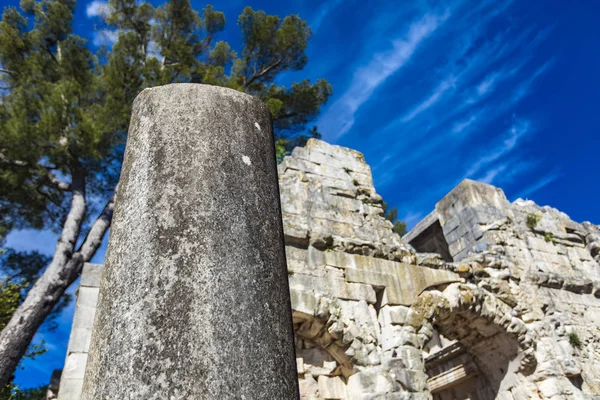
(432,93)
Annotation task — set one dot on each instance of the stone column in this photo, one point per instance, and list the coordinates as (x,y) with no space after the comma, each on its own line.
(194,301)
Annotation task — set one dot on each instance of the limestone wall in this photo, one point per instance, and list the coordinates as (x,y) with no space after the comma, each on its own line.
(542,264)
(490,317)
(71,381)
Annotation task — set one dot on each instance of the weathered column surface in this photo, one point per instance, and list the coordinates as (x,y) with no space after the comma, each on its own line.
(194,301)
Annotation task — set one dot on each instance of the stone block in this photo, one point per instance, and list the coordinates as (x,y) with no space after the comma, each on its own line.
(70,389)
(413,381)
(305,302)
(74,366)
(87,296)
(393,315)
(333,287)
(91,275)
(369,382)
(402,282)
(80,338)
(332,388)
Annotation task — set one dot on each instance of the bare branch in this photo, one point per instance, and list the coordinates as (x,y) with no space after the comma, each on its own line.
(14,163)
(52,54)
(284,116)
(94,237)
(57,183)
(47,290)
(263,72)
(60,185)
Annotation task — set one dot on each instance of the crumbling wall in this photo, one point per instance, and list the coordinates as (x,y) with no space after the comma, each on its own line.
(544,265)
(508,311)
(365,304)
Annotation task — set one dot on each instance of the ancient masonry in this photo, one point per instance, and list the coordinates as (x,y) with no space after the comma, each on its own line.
(483,299)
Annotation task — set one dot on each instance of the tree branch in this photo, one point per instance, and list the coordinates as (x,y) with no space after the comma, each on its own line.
(93,240)
(14,163)
(57,183)
(263,72)
(48,289)
(52,54)
(284,116)
(60,185)
(7,71)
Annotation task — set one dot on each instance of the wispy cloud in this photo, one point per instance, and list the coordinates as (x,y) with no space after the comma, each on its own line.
(462,125)
(439,91)
(524,87)
(339,118)
(542,182)
(97,8)
(412,218)
(461,91)
(326,8)
(492,174)
(517,131)
(105,37)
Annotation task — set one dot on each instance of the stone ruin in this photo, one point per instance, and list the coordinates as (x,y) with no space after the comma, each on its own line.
(483,299)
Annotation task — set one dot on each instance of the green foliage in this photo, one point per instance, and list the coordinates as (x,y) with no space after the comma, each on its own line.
(65,111)
(574,340)
(20,270)
(11,295)
(48,114)
(532,220)
(10,298)
(179,47)
(549,237)
(392,216)
(11,392)
(280,149)
(400,228)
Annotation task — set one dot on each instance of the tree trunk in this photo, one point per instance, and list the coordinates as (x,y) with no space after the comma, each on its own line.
(60,274)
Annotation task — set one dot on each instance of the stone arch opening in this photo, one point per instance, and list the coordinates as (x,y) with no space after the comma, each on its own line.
(322,362)
(477,345)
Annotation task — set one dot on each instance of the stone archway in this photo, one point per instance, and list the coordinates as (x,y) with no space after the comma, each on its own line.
(491,348)
(323,365)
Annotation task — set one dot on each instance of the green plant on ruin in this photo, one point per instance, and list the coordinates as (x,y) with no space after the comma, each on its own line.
(532,220)
(574,340)
(391,215)
(549,237)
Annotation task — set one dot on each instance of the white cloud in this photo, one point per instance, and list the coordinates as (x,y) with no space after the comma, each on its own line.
(491,175)
(460,126)
(411,219)
(339,118)
(507,172)
(488,84)
(439,91)
(105,37)
(544,181)
(324,10)
(524,87)
(515,133)
(97,8)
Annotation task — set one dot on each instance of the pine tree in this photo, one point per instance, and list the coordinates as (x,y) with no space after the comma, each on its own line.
(64,117)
